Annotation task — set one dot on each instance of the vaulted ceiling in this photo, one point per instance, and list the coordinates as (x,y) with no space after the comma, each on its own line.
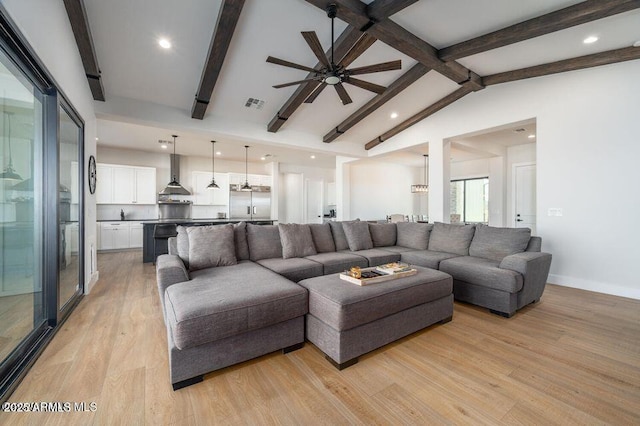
(448,49)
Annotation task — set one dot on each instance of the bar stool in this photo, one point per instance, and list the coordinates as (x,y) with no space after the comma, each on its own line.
(162,231)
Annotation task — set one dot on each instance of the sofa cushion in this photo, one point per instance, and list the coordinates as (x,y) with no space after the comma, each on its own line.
(413,235)
(426,258)
(451,238)
(383,234)
(377,257)
(221,302)
(242,247)
(343,306)
(211,246)
(182,243)
(294,269)
(484,272)
(296,240)
(264,242)
(339,238)
(338,261)
(358,236)
(497,243)
(322,237)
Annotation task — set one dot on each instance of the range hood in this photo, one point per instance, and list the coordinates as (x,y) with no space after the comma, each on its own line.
(174,187)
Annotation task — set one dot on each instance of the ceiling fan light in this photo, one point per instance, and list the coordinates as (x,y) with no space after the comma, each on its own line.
(332,80)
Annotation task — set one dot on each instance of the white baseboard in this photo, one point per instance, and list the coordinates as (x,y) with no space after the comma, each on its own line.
(94,279)
(599,287)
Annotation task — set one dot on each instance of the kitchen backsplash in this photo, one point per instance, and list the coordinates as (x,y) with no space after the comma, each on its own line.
(208,212)
(112,212)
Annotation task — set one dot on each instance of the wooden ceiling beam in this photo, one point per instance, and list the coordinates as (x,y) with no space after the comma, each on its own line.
(382,9)
(355,13)
(407,79)
(577,14)
(223,33)
(80,26)
(581,62)
(430,110)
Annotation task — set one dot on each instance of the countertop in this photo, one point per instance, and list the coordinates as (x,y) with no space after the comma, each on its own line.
(228,220)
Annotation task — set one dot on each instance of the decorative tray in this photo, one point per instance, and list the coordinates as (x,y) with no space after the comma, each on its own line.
(375,275)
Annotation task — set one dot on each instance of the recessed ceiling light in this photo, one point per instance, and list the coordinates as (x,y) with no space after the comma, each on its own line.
(218,153)
(164,43)
(163,146)
(590,39)
(263,158)
(313,157)
(97,138)
(393,115)
(531,136)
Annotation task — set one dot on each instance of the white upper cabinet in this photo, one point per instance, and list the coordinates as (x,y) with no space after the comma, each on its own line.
(239,179)
(208,197)
(117,184)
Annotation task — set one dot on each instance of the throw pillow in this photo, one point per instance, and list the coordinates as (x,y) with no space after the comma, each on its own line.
(296,240)
(182,243)
(358,236)
(494,243)
(383,234)
(413,235)
(339,238)
(264,242)
(454,239)
(322,237)
(211,246)
(242,247)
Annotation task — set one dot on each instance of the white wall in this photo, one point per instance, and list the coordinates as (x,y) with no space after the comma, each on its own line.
(587,154)
(52,40)
(380,188)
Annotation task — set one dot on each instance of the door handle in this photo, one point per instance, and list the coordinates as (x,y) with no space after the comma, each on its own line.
(248,209)
(519,220)
(255,210)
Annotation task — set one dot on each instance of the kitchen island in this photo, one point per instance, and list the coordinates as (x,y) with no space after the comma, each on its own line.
(162,248)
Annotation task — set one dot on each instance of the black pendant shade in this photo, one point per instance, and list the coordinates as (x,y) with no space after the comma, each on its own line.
(246,186)
(9,173)
(213,184)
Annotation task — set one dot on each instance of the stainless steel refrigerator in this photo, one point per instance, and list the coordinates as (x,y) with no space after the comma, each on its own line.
(254,205)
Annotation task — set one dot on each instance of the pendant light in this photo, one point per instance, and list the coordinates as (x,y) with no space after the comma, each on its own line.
(422,188)
(174,180)
(246,186)
(213,184)
(9,173)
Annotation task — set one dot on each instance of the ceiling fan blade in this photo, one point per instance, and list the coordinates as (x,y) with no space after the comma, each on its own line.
(312,97)
(282,62)
(366,85)
(293,83)
(384,66)
(312,40)
(357,49)
(344,96)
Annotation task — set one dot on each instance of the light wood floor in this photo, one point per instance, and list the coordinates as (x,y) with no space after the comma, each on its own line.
(574,358)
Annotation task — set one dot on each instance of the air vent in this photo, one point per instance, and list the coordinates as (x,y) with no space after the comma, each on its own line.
(160,141)
(254,103)
(520,130)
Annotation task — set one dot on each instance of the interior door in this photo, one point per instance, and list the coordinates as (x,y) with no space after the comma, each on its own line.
(313,208)
(525,196)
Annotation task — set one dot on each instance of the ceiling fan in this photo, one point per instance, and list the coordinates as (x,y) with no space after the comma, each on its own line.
(333,74)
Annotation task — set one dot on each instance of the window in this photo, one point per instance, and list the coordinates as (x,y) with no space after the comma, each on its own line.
(470,200)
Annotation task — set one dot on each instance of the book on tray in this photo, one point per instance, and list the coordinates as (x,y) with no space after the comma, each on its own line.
(393,268)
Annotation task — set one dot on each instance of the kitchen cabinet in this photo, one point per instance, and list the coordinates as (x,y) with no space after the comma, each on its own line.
(119,184)
(207,197)
(114,235)
(135,235)
(254,180)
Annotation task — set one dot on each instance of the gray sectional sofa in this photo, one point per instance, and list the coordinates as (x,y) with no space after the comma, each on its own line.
(229,292)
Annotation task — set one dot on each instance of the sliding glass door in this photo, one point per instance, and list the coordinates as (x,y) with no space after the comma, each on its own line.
(21,208)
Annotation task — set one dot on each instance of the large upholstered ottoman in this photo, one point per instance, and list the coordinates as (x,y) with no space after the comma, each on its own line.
(346,320)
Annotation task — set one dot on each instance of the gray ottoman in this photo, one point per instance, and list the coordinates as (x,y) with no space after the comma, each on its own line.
(346,320)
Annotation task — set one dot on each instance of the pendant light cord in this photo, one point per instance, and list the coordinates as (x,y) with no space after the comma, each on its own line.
(332,62)
(246,165)
(173,159)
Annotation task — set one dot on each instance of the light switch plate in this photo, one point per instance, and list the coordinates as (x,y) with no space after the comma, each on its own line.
(555,211)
